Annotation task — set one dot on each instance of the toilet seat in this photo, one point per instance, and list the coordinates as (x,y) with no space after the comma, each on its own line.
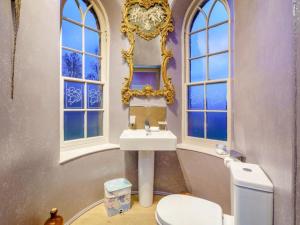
(188,210)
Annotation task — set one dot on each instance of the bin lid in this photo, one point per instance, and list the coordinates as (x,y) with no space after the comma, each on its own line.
(117,184)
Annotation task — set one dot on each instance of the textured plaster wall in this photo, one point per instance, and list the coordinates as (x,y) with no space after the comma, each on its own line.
(32,181)
(297,212)
(264,95)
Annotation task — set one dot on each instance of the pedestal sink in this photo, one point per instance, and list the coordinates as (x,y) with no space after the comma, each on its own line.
(147,143)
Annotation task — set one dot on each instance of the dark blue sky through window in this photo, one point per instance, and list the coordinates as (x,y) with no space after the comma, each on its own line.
(92,41)
(83,96)
(71,35)
(199,22)
(198,44)
(91,20)
(207,6)
(218,38)
(71,11)
(94,128)
(208,72)
(218,14)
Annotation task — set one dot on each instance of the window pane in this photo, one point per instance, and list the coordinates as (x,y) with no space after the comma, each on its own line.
(92,67)
(199,22)
(94,124)
(71,64)
(196,97)
(73,125)
(71,11)
(217,126)
(73,95)
(198,44)
(91,19)
(206,8)
(218,66)
(198,70)
(218,38)
(216,96)
(71,35)
(218,14)
(92,41)
(83,5)
(94,96)
(196,124)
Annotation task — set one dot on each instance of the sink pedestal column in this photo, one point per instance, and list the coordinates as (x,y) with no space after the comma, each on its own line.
(146,177)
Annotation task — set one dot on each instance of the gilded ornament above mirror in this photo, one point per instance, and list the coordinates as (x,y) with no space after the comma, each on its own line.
(149,20)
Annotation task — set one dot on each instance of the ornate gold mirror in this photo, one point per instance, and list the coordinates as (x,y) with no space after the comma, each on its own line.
(146,24)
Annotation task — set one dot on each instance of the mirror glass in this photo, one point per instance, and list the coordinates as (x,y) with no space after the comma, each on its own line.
(147,61)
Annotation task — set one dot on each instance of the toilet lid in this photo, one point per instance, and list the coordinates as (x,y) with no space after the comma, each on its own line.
(188,210)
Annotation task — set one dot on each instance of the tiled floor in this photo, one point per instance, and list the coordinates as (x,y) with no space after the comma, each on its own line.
(137,215)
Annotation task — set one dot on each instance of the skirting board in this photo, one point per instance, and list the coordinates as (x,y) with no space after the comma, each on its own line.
(77,215)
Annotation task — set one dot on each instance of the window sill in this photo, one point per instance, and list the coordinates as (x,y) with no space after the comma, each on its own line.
(201,149)
(67,156)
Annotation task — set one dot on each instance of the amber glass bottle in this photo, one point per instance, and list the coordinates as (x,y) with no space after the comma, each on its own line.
(54,218)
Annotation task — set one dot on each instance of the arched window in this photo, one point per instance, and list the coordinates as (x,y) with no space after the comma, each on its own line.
(83,73)
(206,81)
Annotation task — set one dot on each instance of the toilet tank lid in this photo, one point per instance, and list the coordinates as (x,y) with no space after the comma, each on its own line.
(250,176)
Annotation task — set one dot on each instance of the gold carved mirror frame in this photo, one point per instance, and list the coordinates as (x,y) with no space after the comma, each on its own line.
(147,19)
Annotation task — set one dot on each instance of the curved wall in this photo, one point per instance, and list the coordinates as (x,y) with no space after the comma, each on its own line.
(32,181)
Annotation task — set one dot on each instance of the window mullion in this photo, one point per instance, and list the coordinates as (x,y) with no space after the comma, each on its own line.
(85,83)
(207,78)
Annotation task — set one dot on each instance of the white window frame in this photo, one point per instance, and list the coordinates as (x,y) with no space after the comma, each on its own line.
(104,82)
(202,142)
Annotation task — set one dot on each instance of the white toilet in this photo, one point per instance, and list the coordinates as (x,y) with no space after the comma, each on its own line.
(251,202)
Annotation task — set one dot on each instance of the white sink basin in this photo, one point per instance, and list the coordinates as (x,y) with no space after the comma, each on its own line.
(140,140)
(147,144)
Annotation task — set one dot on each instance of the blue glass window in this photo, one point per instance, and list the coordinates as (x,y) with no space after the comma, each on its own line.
(92,42)
(196,124)
(92,67)
(83,5)
(217,126)
(71,35)
(94,121)
(207,6)
(90,20)
(71,64)
(198,44)
(199,22)
(198,69)
(73,125)
(207,81)
(218,66)
(216,96)
(94,96)
(218,38)
(196,97)
(218,14)
(71,10)
(83,96)
(73,95)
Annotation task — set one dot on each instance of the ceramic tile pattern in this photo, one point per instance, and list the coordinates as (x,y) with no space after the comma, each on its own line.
(137,215)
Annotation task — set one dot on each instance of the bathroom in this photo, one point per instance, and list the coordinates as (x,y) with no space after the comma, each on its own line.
(37,172)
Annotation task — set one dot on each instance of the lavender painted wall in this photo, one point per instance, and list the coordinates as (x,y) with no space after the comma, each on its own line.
(264,95)
(297,172)
(32,181)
